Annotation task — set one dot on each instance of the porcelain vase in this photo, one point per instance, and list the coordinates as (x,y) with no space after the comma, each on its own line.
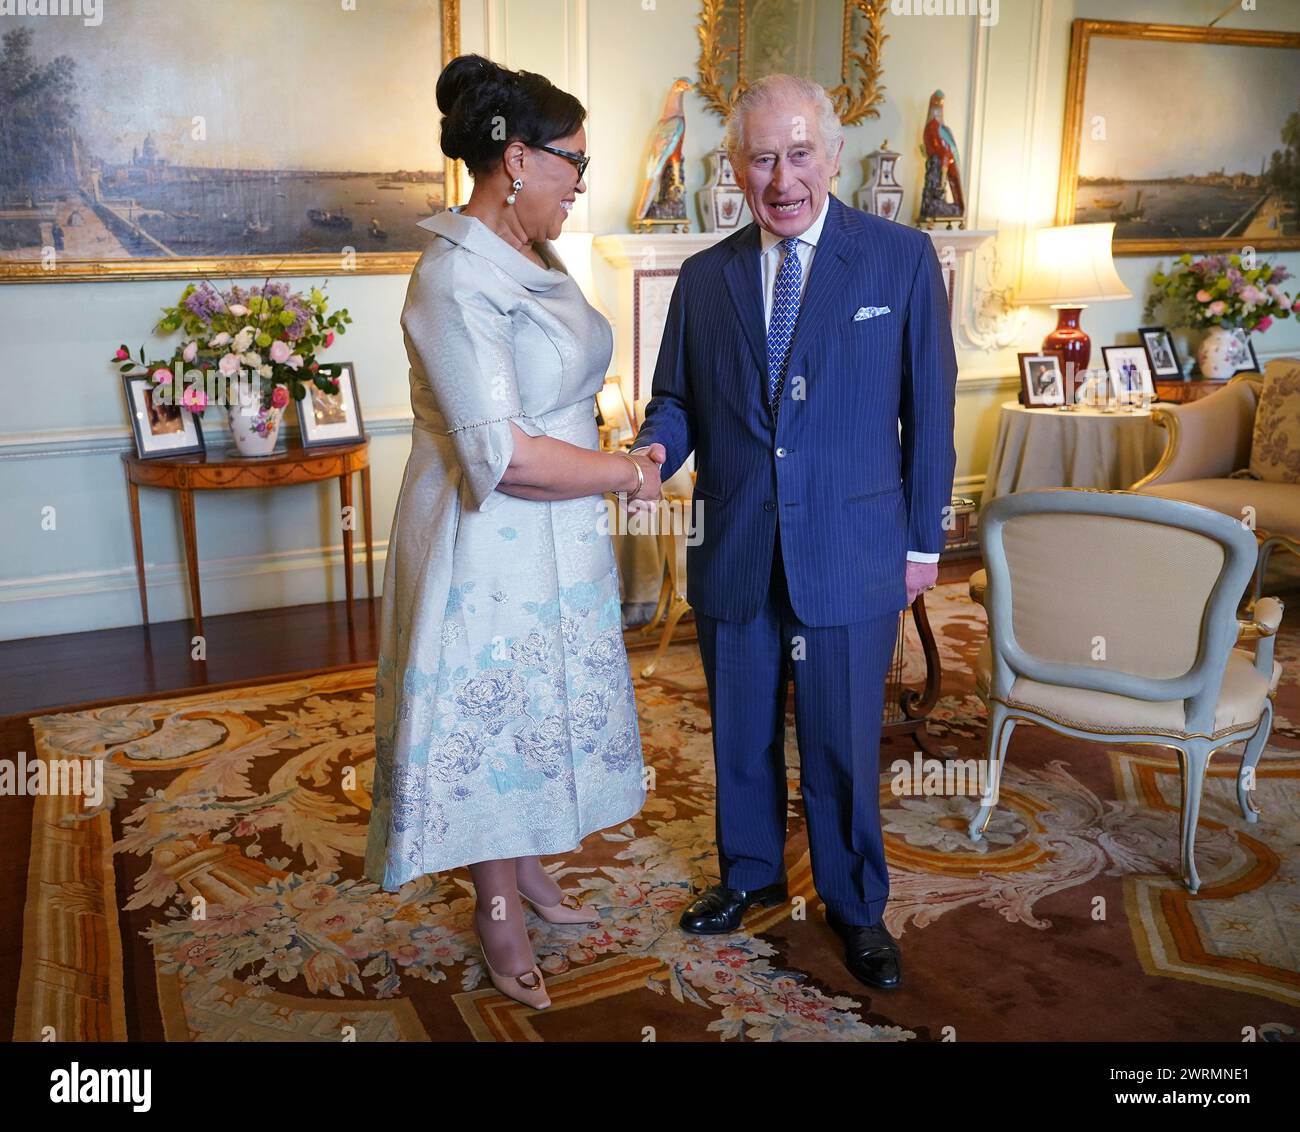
(1222,352)
(255,430)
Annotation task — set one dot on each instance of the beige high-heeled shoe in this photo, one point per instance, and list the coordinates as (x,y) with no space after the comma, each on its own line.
(528,988)
(567,911)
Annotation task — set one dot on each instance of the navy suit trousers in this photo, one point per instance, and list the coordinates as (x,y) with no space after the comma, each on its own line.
(839,677)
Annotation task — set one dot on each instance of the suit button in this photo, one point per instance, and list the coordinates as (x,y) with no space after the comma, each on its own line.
(780,452)
(769,506)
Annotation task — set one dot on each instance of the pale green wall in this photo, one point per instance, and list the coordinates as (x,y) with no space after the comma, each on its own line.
(63,424)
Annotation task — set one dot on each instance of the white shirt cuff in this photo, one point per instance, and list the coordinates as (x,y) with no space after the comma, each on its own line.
(919,556)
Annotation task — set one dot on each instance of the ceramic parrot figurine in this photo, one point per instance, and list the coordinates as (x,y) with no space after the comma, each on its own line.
(662,194)
(941,164)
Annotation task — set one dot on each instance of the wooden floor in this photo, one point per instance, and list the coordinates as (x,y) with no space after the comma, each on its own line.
(40,673)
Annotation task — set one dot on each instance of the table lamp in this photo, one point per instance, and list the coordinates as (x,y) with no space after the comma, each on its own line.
(1068,267)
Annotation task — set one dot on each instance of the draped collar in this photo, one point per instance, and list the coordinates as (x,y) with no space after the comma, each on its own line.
(477,237)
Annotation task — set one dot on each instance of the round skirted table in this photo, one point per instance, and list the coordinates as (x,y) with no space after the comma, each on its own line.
(1083,447)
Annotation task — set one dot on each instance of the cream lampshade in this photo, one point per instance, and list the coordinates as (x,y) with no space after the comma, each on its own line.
(1068,267)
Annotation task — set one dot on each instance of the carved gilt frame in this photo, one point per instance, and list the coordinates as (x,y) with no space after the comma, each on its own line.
(855,99)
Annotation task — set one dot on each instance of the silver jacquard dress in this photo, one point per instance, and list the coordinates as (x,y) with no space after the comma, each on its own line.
(504,718)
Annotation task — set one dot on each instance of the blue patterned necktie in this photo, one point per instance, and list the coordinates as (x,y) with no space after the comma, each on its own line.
(785,311)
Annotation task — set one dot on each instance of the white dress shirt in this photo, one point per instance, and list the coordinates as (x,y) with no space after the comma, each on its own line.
(770,259)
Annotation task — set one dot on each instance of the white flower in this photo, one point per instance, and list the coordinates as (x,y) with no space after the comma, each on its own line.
(238,310)
(219,340)
(265,371)
(229,365)
(294,361)
(243,340)
(252,359)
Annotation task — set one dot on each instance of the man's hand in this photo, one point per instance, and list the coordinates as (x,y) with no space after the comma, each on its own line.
(920,576)
(651,460)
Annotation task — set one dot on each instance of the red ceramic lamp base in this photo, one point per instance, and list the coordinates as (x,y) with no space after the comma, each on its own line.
(1074,345)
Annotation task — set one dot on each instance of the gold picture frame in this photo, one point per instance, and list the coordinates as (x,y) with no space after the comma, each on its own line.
(858,94)
(1130,211)
(228,266)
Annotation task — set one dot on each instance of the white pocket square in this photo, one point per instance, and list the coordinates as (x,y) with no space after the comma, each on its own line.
(869,312)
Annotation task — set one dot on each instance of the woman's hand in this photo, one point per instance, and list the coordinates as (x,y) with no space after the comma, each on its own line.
(651,460)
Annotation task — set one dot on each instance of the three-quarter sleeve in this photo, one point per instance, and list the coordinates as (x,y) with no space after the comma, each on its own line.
(463,341)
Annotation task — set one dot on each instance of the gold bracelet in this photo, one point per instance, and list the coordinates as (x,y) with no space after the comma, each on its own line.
(640,476)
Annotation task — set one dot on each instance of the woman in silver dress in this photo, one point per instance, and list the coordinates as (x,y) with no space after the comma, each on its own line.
(505,727)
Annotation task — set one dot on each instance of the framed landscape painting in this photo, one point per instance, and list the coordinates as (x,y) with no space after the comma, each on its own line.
(1188,138)
(246,138)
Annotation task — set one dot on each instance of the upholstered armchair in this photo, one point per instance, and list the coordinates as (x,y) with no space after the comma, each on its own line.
(1211,439)
(1113,618)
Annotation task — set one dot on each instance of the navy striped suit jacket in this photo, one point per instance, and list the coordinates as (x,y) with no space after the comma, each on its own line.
(857,468)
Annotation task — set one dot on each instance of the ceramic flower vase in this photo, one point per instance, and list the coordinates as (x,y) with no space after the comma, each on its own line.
(1222,352)
(255,430)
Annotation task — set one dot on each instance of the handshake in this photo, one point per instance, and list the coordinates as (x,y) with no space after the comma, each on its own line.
(650,461)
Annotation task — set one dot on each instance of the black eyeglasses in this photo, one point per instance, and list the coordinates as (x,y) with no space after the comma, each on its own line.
(580,160)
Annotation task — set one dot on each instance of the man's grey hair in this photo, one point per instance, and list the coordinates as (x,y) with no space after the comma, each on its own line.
(772,89)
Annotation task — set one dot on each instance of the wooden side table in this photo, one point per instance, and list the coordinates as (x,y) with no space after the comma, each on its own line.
(1185,391)
(226,471)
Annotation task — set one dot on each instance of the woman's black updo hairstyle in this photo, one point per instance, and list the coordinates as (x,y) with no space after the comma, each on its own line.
(485,106)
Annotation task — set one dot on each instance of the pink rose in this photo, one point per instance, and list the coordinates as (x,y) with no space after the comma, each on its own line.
(190,351)
(294,361)
(121,354)
(1217,307)
(279,396)
(163,376)
(1264,323)
(194,398)
(329,340)
(1203,296)
(229,365)
(280,352)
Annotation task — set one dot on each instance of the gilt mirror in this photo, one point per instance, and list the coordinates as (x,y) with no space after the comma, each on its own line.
(837,43)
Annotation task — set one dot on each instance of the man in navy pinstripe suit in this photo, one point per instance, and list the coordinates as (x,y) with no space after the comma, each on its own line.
(808,362)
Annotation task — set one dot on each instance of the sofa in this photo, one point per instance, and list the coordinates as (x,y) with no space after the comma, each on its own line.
(1223,453)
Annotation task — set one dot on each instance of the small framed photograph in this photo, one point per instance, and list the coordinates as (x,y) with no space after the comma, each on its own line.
(1249,360)
(161,428)
(1042,379)
(1130,373)
(331,418)
(1161,355)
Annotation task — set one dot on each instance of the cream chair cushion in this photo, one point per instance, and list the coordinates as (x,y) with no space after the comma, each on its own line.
(1275,445)
(1241,701)
(1277,505)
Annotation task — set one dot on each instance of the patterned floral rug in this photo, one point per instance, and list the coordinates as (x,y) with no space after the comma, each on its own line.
(216,893)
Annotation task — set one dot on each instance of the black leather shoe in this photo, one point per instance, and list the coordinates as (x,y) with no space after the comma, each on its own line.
(721,909)
(870,953)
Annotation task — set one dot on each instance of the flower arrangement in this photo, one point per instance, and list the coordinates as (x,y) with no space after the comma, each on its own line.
(1222,290)
(269,333)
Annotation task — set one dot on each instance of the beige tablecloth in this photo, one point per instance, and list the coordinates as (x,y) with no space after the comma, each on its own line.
(1080,448)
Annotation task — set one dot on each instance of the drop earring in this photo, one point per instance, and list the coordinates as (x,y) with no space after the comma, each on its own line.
(518,184)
